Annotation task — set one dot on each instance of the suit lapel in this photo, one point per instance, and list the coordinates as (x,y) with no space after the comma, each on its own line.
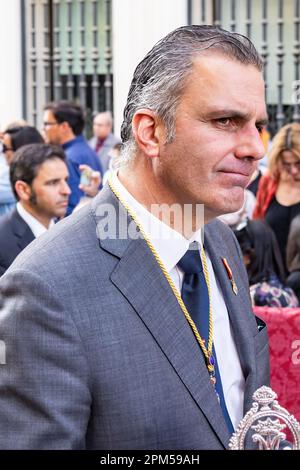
(158,308)
(242,321)
(21,230)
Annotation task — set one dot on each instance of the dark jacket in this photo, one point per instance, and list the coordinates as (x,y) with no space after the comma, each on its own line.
(15,235)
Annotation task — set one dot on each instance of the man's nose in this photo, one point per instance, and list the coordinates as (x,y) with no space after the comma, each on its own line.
(65,189)
(250,145)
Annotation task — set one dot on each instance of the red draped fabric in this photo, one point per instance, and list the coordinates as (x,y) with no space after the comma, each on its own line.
(284,334)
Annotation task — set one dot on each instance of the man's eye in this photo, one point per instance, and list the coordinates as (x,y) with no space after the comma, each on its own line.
(260,128)
(224,121)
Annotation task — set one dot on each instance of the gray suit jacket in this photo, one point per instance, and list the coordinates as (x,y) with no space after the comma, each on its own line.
(98,352)
(103,153)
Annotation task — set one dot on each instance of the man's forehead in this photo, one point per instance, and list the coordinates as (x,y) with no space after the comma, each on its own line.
(227,85)
(100,120)
(51,164)
(49,114)
(218,67)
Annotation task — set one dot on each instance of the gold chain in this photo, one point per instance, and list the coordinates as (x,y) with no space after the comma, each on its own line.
(206,351)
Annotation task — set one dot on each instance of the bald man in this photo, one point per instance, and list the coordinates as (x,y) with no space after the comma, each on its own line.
(103,140)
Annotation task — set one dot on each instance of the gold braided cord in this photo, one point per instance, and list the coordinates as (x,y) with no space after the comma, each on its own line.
(206,351)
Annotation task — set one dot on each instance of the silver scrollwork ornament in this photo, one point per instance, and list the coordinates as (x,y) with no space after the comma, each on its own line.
(266,420)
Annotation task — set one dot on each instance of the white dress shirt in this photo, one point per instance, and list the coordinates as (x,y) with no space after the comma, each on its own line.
(35,225)
(170,246)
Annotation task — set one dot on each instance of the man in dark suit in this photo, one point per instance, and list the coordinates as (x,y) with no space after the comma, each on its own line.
(38,177)
(135,332)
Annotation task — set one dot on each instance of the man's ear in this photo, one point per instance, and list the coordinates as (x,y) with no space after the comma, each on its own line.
(23,190)
(148,132)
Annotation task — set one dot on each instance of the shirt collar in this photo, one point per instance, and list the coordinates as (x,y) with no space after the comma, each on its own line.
(35,225)
(169,244)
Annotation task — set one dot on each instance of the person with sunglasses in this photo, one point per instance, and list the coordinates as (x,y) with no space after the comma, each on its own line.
(7,200)
(15,135)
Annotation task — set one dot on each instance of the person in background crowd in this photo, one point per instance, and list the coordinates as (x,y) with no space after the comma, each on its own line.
(293,256)
(38,176)
(63,125)
(239,219)
(278,196)
(115,154)
(262,166)
(15,135)
(103,140)
(92,188)
(7,200)
(140,338)
(264,265)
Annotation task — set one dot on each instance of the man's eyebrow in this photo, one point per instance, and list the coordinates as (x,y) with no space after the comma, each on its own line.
(262,122)
(234,113)
(52,180)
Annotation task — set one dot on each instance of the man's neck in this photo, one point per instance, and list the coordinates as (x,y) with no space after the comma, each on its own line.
(67,138)
(40,217)
(183,217)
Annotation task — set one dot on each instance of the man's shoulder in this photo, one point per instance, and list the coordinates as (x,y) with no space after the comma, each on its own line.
(112,140)
(71,241)
(14,232)
(81,153)
(78,148)
(7,221)
(218,230)
(222,240)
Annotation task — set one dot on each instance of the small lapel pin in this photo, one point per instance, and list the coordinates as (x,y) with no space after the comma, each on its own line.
(230,276)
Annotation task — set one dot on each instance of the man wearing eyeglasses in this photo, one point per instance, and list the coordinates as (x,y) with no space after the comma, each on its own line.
(63,125)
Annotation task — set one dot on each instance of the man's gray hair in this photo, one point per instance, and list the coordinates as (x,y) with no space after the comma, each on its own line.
(160,78)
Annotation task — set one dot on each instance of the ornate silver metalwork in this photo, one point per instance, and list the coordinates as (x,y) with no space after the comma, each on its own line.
(266,421)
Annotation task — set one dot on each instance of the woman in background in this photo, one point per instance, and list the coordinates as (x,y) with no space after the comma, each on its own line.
(278,196)
(264,266)
(293,256)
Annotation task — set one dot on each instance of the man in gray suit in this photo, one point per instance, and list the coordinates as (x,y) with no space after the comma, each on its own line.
(103,140)
(101,345)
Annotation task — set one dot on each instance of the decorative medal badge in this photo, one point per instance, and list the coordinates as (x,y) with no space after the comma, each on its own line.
(267,422)
(230,276)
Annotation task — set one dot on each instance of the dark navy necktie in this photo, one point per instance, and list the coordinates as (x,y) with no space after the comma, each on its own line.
(195,296)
